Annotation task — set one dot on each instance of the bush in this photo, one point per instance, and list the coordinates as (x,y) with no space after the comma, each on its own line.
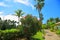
(58,32)
(9,34)
(51,30)
(44,26)
(38,36)
(31,24)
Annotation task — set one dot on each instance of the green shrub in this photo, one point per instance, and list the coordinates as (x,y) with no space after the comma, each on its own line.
(9,34)
(58,32)
(38,36)
(44,26)
(31,24)
(51,30)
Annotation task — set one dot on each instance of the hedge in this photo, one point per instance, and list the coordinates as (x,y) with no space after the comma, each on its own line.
(9,34)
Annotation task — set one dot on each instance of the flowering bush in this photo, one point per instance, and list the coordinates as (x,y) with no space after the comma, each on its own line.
(31,24)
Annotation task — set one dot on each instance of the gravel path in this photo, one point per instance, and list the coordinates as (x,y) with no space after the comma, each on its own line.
(51,35)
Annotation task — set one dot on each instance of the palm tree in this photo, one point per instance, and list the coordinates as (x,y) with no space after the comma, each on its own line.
(19,14)
(39,5)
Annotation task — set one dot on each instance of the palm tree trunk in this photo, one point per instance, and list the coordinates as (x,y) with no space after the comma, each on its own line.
(40,20)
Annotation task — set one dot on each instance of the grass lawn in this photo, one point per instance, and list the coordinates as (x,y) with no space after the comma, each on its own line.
(38,36)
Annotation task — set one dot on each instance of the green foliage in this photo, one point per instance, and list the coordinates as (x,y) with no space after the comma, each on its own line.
(30,24)
(9,34)
(58,32)
(39,5)
(51,30)
(51,25)
(44,26)
(57,19)
(38,36)
(7,24)
(19,14)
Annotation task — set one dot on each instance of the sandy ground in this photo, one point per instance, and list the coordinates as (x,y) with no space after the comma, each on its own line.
(51,35)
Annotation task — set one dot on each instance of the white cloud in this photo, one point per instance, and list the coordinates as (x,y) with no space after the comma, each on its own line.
(3,4)
(10,17)
(1,13)
(25,2)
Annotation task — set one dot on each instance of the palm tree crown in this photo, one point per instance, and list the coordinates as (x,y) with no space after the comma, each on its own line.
(19,14)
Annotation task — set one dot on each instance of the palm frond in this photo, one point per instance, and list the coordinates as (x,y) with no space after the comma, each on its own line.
(22,13)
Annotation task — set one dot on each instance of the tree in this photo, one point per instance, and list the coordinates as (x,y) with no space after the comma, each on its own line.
(51,23)
(31,24)
(7,24)
(47,21)
(51,19)
(19,14)
(0,23)
(11,24)
(57,19)
(39,5)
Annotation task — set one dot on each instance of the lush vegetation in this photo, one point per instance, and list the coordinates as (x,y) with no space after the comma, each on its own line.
(39,5)
(10,34)
(7,24)
(38,36)
(30,27)
(51,24)
(58,32)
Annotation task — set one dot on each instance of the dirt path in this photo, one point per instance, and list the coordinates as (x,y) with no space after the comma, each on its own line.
(51,35)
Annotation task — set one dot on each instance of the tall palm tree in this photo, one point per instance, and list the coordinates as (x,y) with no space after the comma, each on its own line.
(39,5)
(19,14)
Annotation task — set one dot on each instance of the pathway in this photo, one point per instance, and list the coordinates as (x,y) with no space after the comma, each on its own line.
(51,35)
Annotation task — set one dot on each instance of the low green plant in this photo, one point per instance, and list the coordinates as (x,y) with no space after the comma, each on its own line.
(38,36)
(9,34)
(58,32)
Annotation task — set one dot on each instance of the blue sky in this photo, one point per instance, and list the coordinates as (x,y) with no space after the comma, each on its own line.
(50,9)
